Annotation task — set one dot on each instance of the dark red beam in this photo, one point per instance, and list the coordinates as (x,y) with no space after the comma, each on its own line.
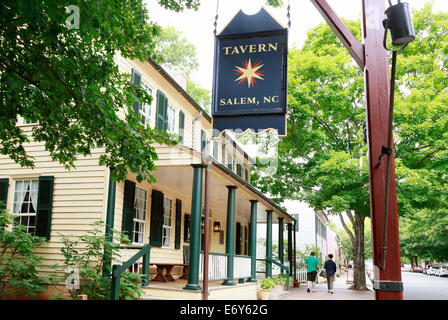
(377,83)
(372,58)
(355,48)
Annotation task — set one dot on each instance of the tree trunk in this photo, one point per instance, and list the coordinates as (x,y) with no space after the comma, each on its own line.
(359,276)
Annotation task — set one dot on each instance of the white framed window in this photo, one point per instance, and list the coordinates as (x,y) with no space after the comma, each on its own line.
(145,108)
(230,162)
(167,222)
(25,203)
(141,196)
(28,122)
(171,117)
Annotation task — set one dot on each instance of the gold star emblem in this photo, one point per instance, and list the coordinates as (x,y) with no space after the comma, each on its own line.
(249,73)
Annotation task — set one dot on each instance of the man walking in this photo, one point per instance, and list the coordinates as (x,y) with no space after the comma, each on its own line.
(330,269)
(312,266)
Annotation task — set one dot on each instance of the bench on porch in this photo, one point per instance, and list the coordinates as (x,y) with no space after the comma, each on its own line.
(168,267)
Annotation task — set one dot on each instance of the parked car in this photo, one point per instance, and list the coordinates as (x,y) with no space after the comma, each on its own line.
(443,270)
(426,269)
(417,269)
(433,270)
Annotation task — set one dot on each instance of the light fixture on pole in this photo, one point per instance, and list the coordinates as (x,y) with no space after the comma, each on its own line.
(399,23)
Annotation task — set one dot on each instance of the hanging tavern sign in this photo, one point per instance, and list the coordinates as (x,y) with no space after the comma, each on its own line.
(250,75)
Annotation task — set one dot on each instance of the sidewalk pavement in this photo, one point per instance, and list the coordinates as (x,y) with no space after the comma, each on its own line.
(341,291)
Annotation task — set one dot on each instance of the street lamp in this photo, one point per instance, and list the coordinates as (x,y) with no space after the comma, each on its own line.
(399,23)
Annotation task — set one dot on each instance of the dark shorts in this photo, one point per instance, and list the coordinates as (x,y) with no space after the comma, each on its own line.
(311,276)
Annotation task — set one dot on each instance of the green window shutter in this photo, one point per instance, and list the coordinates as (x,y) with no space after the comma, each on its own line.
(127,222)
(155,237)
(246,241)
(239,170)
(296,216)
(181,126)
(136,79)
(4,184)
(178,223)
(187,219)
(238,238)
(44,206)
(162,110)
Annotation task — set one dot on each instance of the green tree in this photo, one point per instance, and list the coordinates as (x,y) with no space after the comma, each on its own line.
(19,265)
(322,160)
(175,51)
(58,69)
(201,95)
(178,54)
(91,254)
(422,138)
(345,237)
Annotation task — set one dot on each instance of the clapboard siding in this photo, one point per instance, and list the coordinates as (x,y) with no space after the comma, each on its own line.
(79,195)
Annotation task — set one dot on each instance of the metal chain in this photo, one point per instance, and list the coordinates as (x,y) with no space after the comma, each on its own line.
(289,15)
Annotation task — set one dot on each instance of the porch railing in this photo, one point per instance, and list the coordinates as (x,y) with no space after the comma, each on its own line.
(301,275)
(261,268)
(217,266)
(117,270)
(284,268)
(242,267)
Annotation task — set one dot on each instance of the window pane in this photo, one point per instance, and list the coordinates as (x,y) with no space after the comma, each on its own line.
(25,203)
(171,115)
(140,214)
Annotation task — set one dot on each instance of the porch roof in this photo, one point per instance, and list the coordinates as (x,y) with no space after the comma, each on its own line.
(180,178)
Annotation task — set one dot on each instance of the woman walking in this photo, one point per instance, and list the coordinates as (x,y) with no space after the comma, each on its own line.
(330,269)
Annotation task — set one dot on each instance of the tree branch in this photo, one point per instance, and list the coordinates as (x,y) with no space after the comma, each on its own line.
(350,234)
(350,217)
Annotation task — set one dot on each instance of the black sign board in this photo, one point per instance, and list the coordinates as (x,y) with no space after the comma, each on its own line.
(250,76)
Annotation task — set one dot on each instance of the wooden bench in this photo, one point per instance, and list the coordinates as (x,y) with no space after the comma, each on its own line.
(168,267)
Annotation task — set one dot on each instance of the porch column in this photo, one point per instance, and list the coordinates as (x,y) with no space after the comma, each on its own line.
(280,241)
(195,229)
(269,244)
(290,248)
(253,240)
(230,239)
(110,213)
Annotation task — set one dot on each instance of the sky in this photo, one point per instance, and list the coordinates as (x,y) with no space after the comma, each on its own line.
(197,26)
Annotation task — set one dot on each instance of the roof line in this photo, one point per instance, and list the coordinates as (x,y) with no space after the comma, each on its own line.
(181,90)
(187,96)
(253,189)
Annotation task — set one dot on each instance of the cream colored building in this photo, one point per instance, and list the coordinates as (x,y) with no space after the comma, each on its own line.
(50,200)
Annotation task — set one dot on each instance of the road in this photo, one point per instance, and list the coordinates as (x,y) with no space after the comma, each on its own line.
(418,286)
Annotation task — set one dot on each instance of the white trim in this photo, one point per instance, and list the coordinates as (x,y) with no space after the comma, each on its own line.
(141,222)
(166,227)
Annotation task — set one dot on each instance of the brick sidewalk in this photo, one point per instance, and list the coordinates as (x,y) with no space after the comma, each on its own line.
(341,292)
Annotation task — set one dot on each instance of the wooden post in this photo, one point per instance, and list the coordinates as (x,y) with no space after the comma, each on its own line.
(377,96)
(372,58)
